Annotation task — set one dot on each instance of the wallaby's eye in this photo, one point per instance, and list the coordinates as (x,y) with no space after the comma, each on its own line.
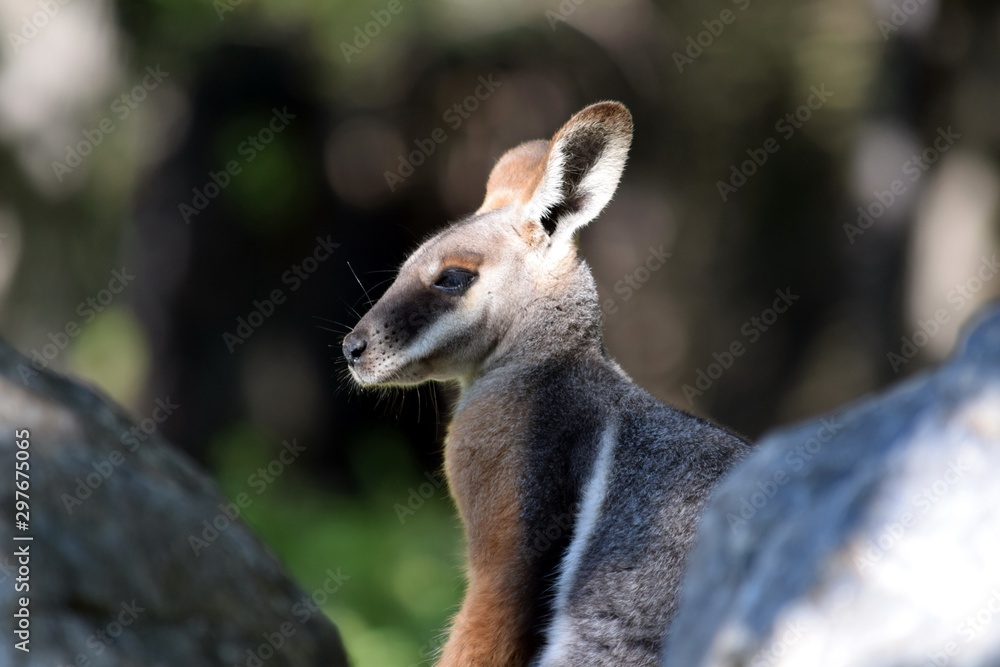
(455,280)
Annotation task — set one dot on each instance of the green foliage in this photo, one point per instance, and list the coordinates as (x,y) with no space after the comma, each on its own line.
(402,574)
(113,352)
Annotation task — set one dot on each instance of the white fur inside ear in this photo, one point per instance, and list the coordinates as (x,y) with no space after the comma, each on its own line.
(548,194)
(581,173)
(595,190)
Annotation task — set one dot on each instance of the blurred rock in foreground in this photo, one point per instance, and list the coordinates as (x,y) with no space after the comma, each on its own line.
(112,576)
(868,537)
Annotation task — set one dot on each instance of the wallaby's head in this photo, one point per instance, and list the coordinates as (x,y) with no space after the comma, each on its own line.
(506,280)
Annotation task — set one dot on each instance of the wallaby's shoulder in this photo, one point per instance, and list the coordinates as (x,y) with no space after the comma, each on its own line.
(675,437)
(590,389)
(653,434)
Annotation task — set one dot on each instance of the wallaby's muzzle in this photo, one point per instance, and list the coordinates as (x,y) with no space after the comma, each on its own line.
(355,344)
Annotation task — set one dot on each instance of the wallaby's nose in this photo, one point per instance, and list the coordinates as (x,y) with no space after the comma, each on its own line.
(354,346)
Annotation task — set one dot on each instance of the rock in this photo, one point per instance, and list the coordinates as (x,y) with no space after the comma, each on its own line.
(112,576)
(868,537)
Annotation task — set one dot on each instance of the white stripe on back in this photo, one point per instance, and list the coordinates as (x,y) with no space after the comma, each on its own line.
(560,633)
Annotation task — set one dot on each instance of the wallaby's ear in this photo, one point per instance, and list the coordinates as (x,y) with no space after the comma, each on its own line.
(585,160)
(515,176)
(566,182)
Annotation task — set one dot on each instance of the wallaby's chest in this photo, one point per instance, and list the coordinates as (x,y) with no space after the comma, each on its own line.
(517,459)
(517,462)
(484,461)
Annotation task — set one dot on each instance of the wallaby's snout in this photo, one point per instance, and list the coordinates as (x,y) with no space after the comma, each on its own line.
(420,328)
(355,344)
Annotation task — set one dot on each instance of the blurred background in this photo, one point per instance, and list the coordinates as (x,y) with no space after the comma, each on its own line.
(199,198)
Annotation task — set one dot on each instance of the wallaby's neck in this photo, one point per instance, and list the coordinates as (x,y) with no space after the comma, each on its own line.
(561,325)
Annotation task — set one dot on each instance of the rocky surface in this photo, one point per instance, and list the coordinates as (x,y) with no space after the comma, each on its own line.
(113,576)
(867,537)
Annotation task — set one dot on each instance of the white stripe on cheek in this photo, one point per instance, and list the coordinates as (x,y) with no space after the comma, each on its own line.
(431,338)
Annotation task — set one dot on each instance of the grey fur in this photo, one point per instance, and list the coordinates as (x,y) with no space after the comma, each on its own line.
(626,587)
(527,333)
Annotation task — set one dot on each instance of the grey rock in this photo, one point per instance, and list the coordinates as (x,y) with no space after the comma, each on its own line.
(868,537)
(114,579)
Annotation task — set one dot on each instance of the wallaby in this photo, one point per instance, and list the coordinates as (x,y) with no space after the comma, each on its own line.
(579,492)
